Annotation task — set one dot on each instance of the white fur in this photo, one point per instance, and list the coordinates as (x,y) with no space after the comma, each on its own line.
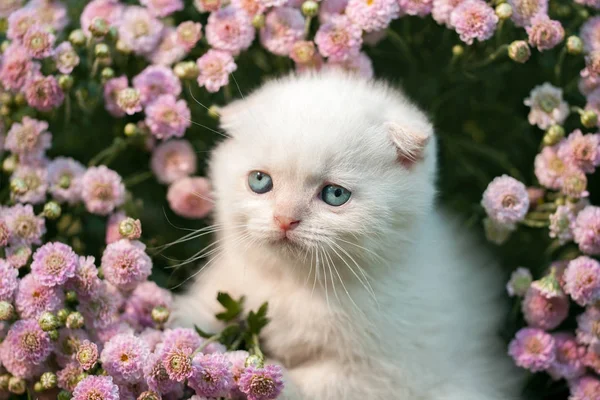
(422,320)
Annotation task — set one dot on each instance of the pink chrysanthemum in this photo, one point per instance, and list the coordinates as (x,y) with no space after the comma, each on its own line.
(562,222)
(24,225)
(43,93)
(273,3)
(568,363)
(139,30)
(588,84)
(105,334)
(519,282)
(283,27)
(544,312)
(331,8)
(586,230)
(64,179)
(177,361)
(86,282)
(339,39)
(229,29)
(590,34)
(29,139)
(168,117)
(190,197)
(87,355)
(169,51)
(124,357)
(9,281)
(162,8)
(505,200)
(19,23)
(152,337)
(533,349)
(112,87)
(574,183)
(361,65)
(156,80)
(474,19)
(125,264)
(51,14)
(33,298)
(188,34)
(582,151)
(112,227)
(38,42)
(182,337)
(372,15)
(592,360)
(129,101)
(261,383)
(18,255)
(108,10)
(211,375)
(214,67)
(302,51)
(144,298)
(549,168)
(7,7)
(588,326)
(585,388)
(68,377)
(251,7)
(173,160)
(102,190)
(238,365)
(68,344)
(442,9)
(36,182)
(54,263)
(582,280)
(156,375)
(97,388)
(544,33)
(419,8)
(547,106)
(16,67)
(66,58)
(28,342)
(525,10)
(101,310)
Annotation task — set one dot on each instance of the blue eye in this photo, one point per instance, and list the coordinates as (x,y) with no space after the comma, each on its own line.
(335,195)
(260,182)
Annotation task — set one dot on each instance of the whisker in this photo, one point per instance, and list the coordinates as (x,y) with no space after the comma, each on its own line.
(195,99)
(197,194)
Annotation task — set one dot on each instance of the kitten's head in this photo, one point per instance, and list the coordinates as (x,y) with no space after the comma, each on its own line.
(324,161)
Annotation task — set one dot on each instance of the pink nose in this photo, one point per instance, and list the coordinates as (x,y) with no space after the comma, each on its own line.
(286,223)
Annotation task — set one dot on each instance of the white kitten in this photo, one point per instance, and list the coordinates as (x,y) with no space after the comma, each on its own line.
(381,297)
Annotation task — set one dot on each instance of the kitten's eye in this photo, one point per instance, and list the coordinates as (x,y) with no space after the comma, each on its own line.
(260,182)
(335,195)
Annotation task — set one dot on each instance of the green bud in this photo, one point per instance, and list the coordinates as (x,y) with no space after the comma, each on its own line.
(4,110)
(16,385)
(71,296)
(107,73)
(63,395)
(457,50)
(62,315)
(130,228)
(7,311)
(553,135)
(4,45)
(258,21)
(65,82)
(48,321)
(64,182)
(18,186)
(99,27)
(574,45)
(186,70)
(37,387)
(255,361)
(130,129)
(122,47)
(160,314)
(519,51)
(504,11)
(53,335)
(310,8)
(6,98)
(9,164)
(77,38)
(589,119)
(4,382)
(20,99)
(74,320)
(52,210)
(48,380)
(213,112)
(101,50)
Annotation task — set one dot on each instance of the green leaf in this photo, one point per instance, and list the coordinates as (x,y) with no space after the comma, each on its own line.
(202,333)
(232,308)
(258,320)
(230,334)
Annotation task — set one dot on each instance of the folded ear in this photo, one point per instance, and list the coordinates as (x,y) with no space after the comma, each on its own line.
(410,142)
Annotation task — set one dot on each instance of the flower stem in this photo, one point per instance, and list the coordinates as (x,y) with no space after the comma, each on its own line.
(138,178)
(559,63)
(255,349)
(401,44)
(212,339)
(502,50)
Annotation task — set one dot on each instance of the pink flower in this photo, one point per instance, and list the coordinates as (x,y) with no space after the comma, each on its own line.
(331,8)
(124,357)
(8,7)
(562,223)
(53,264)
(582,151)
(592,360)
(215,67)
(533,349)
(125,264)
(188,34)
(587,226)
(544,312)
(86,282)
(169,51)
(251,7)
(68,377)
(101,311)
(211,375)
(28,139)
(568,363)
(109,10)
(66,58)
(156,80)
(190,197)
(212,5)
(283,27)
(339,39)
(87,355)
(9,281)
(162,8)
(112,227)
(361,65)
(547,106)
(50,14)
(16,67)
(102,190)
(139,30)
(25,227)
(173,160)
(177,362)
(585,388)
(593,98)
(64,178)
(36,181)
(145,297)
(442,9)
(419,8)
(129,101)
(43,93)
(18,255)
(545,33)
(574,183)
(525,10)
(549,168)
(19,22)
(38,42)
(32,298)
(519,282)
(588,326)
(96,387)
(505,200)
(167,117)
(588,84)
(372,15)
(261,383)
(229,29)
(474,19)
(302,51)
(156,375)
(590,34)
(582,280)
(112,87)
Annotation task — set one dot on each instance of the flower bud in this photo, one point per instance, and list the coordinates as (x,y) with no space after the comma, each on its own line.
(4,45)
(62,315)
(102,51)
(48,321)
(160,314)
(74,320)
(52,210)
(122,47)
(37,387)
(589,119)
(9,164)
(48,380)
(99,27)
(107,73)
(574,45)
(495,232)
(457,50)
(65,82)
(553,135)
(77,38)
(310,8)
(519,51)
(64,182)
(258,21)
(504,11)
(53,335)
(18,186)
(186,70)
(71,296)
(129,99)
(4,110)
(4,382)
(7,311)
(130,129)
(130,228)
(6,98)
(149,395)
(213,112)
(255,361)
(63,395)
(16,385)
(20,99)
